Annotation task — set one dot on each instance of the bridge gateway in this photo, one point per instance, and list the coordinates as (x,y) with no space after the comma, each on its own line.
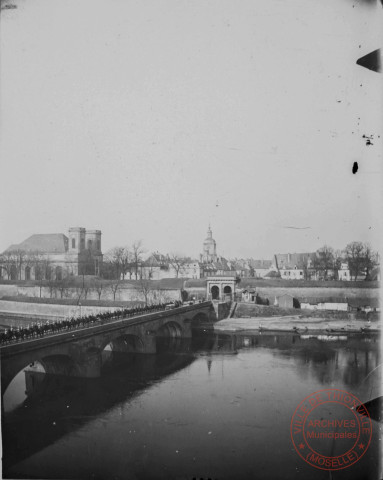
(221,288)
(78,352)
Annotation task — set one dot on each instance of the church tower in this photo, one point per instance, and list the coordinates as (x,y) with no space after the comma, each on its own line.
(209,248)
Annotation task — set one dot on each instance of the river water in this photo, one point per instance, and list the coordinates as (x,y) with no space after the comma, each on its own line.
(217,406)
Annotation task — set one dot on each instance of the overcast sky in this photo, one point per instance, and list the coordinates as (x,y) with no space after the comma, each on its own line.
(147,119)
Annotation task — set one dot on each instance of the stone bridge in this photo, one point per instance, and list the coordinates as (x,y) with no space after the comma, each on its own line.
(77,352)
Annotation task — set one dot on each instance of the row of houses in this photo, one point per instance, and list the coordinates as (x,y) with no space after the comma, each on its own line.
(159,266)
(79,252)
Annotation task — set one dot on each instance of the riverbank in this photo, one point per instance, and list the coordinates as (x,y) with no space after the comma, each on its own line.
(298,323)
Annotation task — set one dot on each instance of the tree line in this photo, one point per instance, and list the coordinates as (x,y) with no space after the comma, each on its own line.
(127,261)
(360,258)
(123,262)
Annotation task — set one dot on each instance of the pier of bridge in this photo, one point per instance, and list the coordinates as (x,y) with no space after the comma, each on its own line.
(78,352)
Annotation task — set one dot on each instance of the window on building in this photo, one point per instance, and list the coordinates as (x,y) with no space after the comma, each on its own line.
(89,244)
(98,245)
(73,243)
(82,243)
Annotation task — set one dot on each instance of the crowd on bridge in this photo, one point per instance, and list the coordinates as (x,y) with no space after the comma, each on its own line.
(40,329)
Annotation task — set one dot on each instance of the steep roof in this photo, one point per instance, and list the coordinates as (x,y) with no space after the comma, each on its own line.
(260,263)
(290,260)
(156,260)
(195,283)
(43,243)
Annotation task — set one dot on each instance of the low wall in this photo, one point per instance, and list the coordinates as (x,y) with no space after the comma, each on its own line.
(197,293)
(124,293)
(318,292)
(44,310)
(222,309)
(246,310)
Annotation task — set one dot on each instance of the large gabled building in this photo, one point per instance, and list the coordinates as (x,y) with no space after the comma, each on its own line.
(53,256)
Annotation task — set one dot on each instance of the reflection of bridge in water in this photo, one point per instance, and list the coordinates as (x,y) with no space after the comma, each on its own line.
(77,353)
(59,405)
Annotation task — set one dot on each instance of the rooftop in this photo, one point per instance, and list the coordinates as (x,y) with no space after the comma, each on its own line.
(42,243)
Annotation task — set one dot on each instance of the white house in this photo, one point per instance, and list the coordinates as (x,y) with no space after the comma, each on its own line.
(292,274)
(344,273)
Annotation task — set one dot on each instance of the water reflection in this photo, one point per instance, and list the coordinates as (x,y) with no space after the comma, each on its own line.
(215,398)
(57,405)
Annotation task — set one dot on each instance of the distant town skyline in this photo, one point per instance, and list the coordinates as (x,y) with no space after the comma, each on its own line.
(147,252)
(148,120)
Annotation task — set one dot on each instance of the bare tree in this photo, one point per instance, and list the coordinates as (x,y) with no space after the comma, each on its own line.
(137,250)
(355,255)
(98,287)
(120,259)
(147,268)
(86,287)
(370,259)
(178,262)
(324,260)
(18,260)
(8,263)
(338,259)
(126,262)
(145,286)
(79,291)
(63,286)
(42,266)
(113,257)
(114,287)
(52,287)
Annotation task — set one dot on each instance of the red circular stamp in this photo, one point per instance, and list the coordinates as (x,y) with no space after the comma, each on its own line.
(331,429)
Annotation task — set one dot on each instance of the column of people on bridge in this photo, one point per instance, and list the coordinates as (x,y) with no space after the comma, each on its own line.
(40,329)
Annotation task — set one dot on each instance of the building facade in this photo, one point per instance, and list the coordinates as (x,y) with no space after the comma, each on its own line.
(53,256)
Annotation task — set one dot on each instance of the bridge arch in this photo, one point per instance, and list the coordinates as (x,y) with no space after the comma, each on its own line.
(125,343)
(128,343)
(215,292)
(199,319)
(227,291)
(58,365)
(81,353)
(170,329)
(15,389)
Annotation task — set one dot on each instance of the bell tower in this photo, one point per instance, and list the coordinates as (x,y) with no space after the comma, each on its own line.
(76,240)
(209,248)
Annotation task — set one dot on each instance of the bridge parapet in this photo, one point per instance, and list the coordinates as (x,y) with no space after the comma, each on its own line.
(83,346)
